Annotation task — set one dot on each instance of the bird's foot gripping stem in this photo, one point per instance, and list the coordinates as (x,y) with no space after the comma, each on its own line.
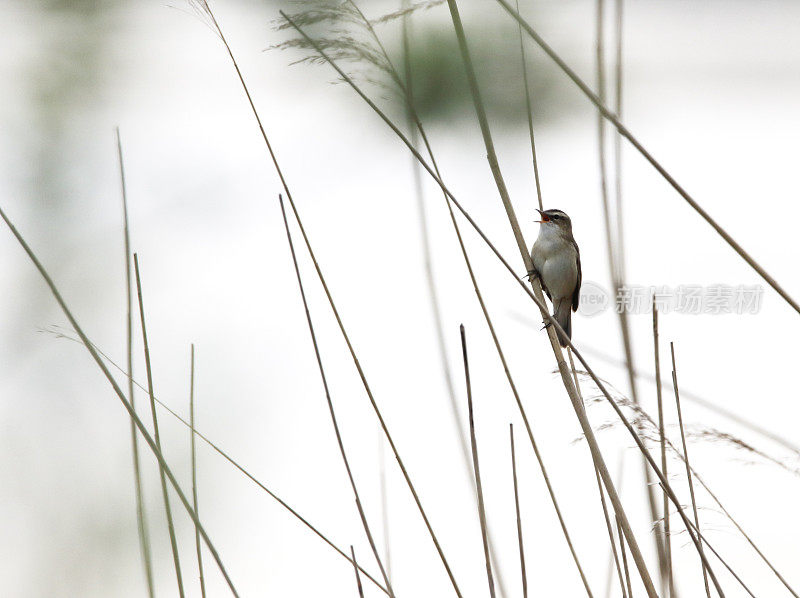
(531,275)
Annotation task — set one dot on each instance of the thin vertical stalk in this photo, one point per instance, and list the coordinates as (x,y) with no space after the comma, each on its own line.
(523,572)
(502,190)
(624,560)
(476,465)
(339,441)
(416,130)
(358,576)
(118,391)
(618,4)
(663,444)
(164,490)
(529,114)
(686,456)
(141,518)
(617,280)
(194,477)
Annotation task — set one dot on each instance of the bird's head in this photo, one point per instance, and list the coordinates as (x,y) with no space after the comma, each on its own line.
(555,219)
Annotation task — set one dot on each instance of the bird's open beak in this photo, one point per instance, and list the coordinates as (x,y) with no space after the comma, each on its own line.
(544,217)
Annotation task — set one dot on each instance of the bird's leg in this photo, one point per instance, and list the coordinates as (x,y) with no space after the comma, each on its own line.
(547,324)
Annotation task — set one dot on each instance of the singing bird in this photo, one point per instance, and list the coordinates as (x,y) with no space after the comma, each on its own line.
(557,263)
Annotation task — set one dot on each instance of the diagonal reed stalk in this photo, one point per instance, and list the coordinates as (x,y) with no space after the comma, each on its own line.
(523,572)
(330,406)
(577,406)
(278,170)
(233,462)
(197,544)
(686,453)
(141,518)
(118,391)
(358,576)
(164,490)
(476,465)
(554,328)
(663,444)
(387,551)
(623,130)
(602,493)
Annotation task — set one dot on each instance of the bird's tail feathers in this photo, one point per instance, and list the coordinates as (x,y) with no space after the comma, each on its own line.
(563,316)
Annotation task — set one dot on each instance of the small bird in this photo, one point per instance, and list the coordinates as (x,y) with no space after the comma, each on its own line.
(557,264)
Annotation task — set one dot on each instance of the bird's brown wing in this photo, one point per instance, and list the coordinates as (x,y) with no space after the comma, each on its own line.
(576,294)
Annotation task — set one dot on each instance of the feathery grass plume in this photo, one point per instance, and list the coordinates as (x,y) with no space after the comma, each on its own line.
(650,429)
(60,332)
(712,435)
(201,10)
(345,34)
(407,11)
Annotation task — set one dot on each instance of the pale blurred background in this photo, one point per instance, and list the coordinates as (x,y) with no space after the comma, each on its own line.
(711,88)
